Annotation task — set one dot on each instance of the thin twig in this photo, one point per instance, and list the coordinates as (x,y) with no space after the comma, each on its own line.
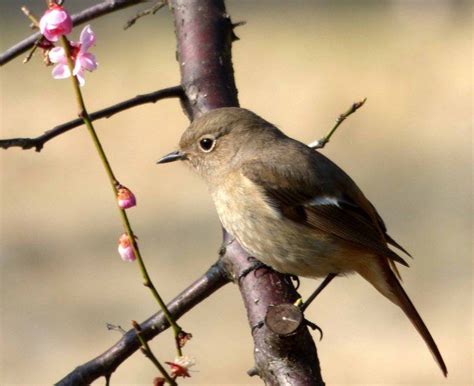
(148,11)
(146,350)
(115,327)
(319,144)
(106,363)
(33,50)
(107,6)
(38,142)
(30,16)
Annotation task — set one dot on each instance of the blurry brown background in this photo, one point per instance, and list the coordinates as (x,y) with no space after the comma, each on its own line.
(298,64)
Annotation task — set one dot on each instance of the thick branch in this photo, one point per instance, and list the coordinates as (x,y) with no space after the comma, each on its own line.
(205,35)
(281,359)
(106,363)
(38,142)
(84,16)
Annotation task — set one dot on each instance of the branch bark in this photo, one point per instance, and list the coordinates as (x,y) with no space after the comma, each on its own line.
(38,142)
(205,35)
(84,16)
(106,363)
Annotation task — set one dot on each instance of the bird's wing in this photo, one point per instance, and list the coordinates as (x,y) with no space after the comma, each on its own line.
(298,196)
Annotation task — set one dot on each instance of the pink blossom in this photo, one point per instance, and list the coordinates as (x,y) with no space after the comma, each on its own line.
(180,366)
(55,23)
(125,248)
(126,199)
(83,60)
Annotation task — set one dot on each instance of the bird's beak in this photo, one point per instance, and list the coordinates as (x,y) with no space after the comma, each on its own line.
(171,157)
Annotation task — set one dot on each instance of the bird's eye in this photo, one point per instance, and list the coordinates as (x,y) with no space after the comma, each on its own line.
(207,144)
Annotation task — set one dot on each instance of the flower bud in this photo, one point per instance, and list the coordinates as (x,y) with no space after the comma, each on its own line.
(55,23)
(126,199)
(125,248)
(159,381)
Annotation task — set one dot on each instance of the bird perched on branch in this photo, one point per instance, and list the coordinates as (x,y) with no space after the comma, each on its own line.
(291,207)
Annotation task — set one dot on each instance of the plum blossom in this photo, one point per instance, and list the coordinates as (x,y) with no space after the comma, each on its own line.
(83,60)
(180,366)
(125,198)
(55,23)
(125,248)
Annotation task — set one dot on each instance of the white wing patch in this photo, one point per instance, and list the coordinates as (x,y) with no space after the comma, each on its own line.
(324,200)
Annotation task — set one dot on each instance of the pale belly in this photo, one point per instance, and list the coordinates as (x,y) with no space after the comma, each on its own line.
(278,242)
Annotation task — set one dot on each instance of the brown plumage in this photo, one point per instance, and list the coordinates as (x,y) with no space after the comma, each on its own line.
(291,207)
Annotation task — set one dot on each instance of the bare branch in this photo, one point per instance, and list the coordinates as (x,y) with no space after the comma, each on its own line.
(106,363)
(149,11)
(38,142)
(320,143)
(84,16)
(286,356)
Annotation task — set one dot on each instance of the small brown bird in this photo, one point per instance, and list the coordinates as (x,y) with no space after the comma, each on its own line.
(291,207)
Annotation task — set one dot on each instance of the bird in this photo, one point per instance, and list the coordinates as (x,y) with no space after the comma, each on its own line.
(291,207)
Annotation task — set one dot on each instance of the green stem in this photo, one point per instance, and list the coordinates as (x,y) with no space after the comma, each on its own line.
(149,354)
(115,184)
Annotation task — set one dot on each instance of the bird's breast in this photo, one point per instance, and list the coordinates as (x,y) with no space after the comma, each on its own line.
(288,247)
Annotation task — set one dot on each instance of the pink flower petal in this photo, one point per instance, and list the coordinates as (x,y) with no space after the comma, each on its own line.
(126,199)
(125,248)
(43,24)
(57,55)
(126,253)
(77,67)
(80,78)
(61,71)
(56,17)
(88,61)
(55,23)
(87,38)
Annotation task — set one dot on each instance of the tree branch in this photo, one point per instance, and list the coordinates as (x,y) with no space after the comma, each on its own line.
(106,363)
(205,35)
(149,11)
(38,142)
(281,358)
(84,16)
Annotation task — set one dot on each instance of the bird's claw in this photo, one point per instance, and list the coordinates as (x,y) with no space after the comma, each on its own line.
(256,265)
(293,278)
(315,327)
(257,326)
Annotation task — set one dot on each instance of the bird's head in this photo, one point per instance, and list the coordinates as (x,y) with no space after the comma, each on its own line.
(218,139)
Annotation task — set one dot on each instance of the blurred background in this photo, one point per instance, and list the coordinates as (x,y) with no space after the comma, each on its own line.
(298,64)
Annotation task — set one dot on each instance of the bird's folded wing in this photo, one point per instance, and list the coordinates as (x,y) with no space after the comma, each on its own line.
(299,198)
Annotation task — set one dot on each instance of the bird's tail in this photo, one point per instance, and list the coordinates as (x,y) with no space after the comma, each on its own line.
(384,280)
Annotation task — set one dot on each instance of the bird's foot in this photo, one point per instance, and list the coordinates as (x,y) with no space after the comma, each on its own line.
(257,326)
(293,279)
(255,266)
(314,327)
